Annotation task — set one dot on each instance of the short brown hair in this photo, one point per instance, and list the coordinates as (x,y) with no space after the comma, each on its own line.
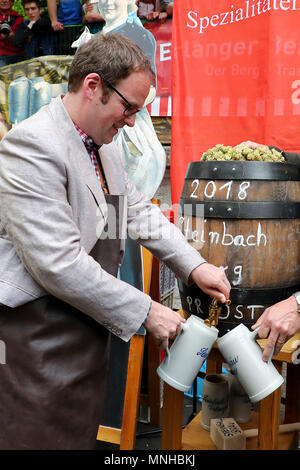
(37,2)
(114,57)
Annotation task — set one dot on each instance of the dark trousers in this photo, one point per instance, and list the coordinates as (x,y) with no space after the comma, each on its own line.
(65,39)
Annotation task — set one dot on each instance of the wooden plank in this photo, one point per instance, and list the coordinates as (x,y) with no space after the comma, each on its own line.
(131,401)
(107,434)
(162,126)
(153,382)
(213,367)
(288,351)
(269,418)
(172,418)
(147,269)
(194,437)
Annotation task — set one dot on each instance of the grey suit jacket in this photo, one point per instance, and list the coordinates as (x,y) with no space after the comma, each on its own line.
(52,210)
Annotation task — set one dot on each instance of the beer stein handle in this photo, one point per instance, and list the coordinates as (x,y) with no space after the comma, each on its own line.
(184,327)
(253,334)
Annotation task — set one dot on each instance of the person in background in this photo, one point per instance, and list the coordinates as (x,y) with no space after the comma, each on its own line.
(66,21)
(35,35)
(281,321)
(145,7)
(92,17)
(9,22)
(165,11)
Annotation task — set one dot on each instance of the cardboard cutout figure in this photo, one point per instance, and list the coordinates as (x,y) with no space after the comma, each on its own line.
(143,155)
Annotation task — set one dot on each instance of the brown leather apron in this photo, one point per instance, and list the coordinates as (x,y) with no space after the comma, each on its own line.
(52,384)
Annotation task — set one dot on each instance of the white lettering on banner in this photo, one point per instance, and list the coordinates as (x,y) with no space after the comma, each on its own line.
(237,70)
(286,46)
(165,51)
(224,50)
(192,16)
(211,70)
(243,71)
(284,71)
(250,9)
(296,94)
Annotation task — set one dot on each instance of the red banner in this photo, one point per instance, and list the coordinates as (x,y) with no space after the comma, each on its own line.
(163,36)
(236,76)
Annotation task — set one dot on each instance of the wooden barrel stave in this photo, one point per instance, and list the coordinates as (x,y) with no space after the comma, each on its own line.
(207,190)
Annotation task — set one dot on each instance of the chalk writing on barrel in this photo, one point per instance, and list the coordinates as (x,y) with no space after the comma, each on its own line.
(224,238)
(211,189)
(236,311)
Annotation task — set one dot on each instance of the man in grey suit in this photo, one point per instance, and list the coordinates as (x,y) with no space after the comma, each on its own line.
(64,210)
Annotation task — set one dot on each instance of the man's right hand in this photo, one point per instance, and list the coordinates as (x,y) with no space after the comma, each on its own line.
(163,323)
(152,16)
(57,26)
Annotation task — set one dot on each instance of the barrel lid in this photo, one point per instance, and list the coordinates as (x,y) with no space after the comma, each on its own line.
(242,170)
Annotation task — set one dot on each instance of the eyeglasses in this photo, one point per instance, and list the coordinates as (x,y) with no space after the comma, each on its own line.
(130,109)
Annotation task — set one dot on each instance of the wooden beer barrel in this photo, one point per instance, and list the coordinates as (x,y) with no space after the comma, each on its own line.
(244,216)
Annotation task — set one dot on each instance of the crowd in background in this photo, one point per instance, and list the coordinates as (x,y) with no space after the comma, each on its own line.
(30,29)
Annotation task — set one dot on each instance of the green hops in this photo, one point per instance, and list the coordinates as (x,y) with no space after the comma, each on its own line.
(243,153)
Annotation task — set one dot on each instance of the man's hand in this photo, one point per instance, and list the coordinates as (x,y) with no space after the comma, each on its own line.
(57,26)
(162,17)
(163,323)
(152,16)
(278,323)
(156,15)
(212,281)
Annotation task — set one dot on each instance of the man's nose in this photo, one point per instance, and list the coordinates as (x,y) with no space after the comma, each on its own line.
(130,120)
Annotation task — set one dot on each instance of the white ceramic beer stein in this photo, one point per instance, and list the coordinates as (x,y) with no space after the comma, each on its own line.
(244,357)
(188,352)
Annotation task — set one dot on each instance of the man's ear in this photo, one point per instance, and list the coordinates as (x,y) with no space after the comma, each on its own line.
(90,84)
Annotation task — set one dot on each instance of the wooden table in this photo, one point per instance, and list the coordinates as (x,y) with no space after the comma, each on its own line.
(267,421)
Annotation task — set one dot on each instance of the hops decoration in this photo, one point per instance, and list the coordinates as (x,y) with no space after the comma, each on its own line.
(242,152)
